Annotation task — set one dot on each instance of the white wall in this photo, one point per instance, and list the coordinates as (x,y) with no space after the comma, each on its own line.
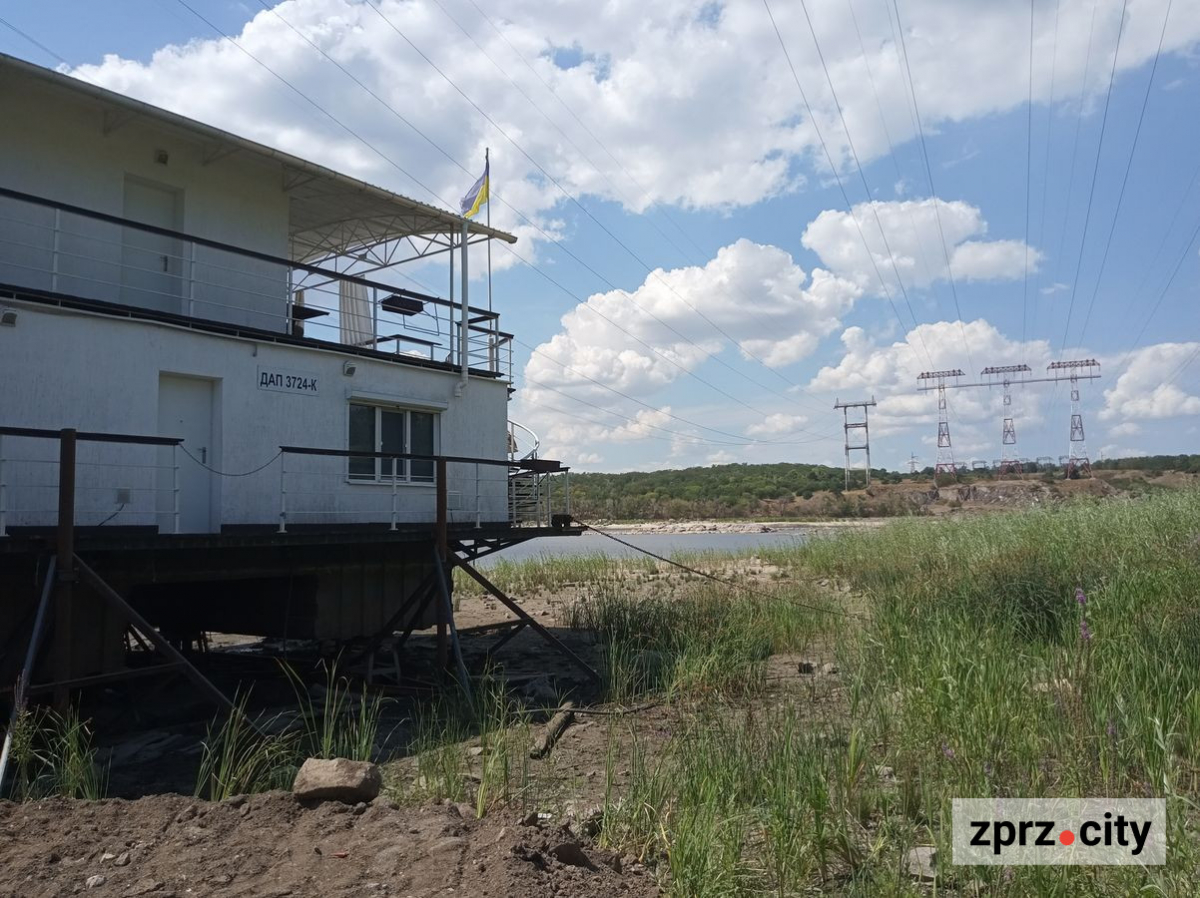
(55,146)
(95,372)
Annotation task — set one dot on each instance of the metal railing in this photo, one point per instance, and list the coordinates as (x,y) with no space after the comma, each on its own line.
(67,250)
(321,486)
(107,486)
(316,487)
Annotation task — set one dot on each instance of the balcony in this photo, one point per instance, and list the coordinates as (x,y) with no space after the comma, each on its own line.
(126,484)
(75,256)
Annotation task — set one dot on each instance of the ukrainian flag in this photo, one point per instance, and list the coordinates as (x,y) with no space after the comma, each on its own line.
(477,195)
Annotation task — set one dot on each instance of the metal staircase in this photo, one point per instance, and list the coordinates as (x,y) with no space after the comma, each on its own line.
(528,491)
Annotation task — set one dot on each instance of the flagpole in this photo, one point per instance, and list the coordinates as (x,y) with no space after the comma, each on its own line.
(487,165)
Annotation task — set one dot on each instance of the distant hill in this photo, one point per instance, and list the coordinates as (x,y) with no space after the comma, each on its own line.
(787,490)
(718,491)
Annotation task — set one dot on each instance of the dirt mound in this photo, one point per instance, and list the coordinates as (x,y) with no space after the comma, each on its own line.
(270,846)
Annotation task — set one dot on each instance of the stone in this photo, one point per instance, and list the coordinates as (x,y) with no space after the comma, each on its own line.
(922,863)
(828,669)
(122,859)
(338,780)
(806,667)
(95,881)
(571,854)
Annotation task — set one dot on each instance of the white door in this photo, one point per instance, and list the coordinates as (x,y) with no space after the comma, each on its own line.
(185,409)
(151,264)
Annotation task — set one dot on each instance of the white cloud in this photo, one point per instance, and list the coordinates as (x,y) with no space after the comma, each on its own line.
(776,424)
(692,102)
(914,237)
(890,372)
(724,457)
(1141,392)
(757,295)
(1126,429)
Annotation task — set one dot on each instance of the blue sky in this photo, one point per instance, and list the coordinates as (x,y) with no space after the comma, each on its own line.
(715,229)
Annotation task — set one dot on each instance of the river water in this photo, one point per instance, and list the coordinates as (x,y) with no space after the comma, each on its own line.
(667,544)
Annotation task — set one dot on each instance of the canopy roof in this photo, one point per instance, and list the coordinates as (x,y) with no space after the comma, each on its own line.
(330,213)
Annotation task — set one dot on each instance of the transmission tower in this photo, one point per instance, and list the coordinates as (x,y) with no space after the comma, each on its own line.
(852,427)
(945,453)
(1010,462)
(912,463)
(1078,463)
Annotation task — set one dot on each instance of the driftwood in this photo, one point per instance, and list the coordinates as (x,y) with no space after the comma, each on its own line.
(562,719)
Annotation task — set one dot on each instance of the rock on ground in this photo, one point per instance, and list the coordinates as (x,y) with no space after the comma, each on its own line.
(337,780)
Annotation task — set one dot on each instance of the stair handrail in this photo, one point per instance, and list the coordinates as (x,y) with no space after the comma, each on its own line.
(514,445)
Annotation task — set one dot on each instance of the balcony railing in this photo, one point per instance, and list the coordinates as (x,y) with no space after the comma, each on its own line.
(128,481)
(67,250)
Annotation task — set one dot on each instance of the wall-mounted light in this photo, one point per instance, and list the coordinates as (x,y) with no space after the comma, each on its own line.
(348,368)
(8,317)
(162,157)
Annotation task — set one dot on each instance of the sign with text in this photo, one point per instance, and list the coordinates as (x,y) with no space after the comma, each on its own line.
(282,380)
(1077,831)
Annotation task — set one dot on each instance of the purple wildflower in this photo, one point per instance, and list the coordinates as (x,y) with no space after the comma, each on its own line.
(947,751)
(1085,632)
(1080,595)
(1111,729)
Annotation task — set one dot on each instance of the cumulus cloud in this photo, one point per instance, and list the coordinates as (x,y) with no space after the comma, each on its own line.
(1141,391)
(890,371)
(852,244)
(689,100)
(750,298)
(776,424)
(1126,429)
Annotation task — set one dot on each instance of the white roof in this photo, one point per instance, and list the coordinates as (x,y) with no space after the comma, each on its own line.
(330,213)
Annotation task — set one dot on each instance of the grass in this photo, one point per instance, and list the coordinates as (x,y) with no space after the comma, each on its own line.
(1048,652)
(52,755)
(241,755)
(980,672)
(494,772)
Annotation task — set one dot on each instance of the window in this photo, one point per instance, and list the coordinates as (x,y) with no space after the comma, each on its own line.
(375,428)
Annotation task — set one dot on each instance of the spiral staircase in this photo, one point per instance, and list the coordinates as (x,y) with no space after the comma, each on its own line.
(528,491)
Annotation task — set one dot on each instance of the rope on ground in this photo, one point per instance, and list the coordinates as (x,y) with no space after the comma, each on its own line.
(836,612)
(267,464)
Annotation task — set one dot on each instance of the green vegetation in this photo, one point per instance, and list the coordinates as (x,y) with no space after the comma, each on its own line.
(244,756)
(52,754)
(718,491)
(982,672)
(788,490)
(1186,463)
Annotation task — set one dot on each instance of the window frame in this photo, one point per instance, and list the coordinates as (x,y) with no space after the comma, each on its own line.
(381,467)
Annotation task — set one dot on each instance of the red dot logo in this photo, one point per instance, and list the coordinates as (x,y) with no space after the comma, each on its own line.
(1066,837)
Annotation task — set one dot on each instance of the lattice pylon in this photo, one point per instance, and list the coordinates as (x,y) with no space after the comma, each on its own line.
(945,451)
(1078,462)
(1010,463)
(852,427)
